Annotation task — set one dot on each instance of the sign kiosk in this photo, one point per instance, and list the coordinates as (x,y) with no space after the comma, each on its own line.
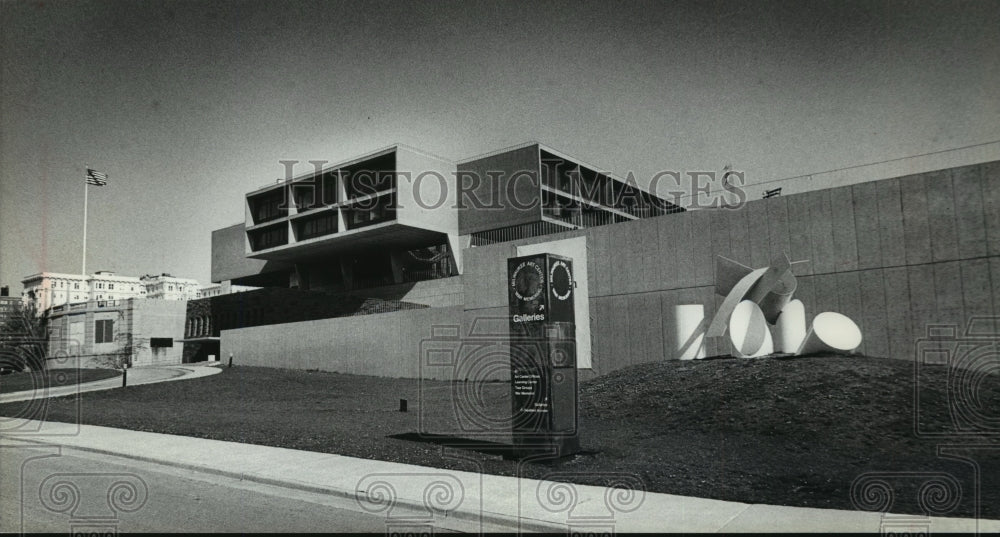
(540,292)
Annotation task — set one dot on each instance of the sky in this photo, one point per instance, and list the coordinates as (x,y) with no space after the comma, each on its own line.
(188,105)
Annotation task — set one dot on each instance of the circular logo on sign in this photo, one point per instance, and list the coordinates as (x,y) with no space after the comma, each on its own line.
(527,281)
(562,280)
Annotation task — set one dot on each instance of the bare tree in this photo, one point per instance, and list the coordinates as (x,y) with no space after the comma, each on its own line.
(24,339)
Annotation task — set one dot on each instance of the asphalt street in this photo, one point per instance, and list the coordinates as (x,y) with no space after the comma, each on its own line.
(48,489)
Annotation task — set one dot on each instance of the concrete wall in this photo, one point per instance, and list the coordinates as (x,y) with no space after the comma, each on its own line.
(519,178)
(894,255)
(229,261)
(426,191)
(387,344)
(434,293)
(158,319)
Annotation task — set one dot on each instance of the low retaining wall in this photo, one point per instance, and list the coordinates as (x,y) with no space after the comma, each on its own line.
(385,344)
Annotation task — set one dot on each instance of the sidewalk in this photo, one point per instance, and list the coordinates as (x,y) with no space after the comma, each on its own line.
(137,376)
(520,504)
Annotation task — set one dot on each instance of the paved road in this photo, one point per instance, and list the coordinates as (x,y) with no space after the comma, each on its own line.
(174,500)
(136,376)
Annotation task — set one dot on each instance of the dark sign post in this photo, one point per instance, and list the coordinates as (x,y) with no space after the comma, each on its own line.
(540,294)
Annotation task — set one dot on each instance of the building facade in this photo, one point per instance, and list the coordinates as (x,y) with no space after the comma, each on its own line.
(897,255)
(51,289)
(222,288)
(399,216)
(396,224)
(167,287)
(136,331)
(8,306)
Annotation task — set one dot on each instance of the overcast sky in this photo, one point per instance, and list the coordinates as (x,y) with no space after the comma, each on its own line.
(189,105)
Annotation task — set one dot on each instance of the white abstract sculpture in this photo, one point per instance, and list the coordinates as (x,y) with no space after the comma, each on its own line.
(748,330)
(791,327)
(689,336)
(831,331)
(755,298)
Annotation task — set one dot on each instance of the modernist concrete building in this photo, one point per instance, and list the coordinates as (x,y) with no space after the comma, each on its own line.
(895,253)
(399,215)
(531,190)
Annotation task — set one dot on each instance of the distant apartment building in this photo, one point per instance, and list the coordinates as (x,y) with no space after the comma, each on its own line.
(223,288)
(167,287)
(47,290)
(8,304)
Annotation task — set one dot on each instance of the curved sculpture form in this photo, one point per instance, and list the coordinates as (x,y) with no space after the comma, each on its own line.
(791,327)
(756,298)
(689,336)
(832,332)
(774,290)
(748,331)
(733,297)
(770,287)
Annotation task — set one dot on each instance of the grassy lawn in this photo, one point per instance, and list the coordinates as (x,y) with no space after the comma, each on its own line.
(778,431)
(16,382)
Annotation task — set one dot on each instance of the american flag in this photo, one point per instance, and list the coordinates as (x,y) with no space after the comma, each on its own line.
(96,178)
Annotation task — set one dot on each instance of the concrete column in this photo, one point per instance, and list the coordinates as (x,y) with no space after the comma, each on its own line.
(397,266)
(300,275)
(347,272)
(341,197)
(456,243)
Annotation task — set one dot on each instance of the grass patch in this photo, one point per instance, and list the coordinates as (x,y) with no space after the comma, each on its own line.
(777,431)
(52,378)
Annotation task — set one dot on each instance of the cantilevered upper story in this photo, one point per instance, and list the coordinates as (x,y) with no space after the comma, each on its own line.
(532,189)
(399,215)
(393,197)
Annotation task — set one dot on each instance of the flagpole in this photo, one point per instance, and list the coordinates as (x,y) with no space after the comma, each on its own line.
(83,270)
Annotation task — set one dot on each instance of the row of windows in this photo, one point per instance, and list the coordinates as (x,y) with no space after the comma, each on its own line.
(267,238)
(159,287)
(111,286)
(206,325)
(314,227)
(268,207)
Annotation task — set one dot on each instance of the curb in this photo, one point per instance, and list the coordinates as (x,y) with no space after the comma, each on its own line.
(516,523)
(28,395)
